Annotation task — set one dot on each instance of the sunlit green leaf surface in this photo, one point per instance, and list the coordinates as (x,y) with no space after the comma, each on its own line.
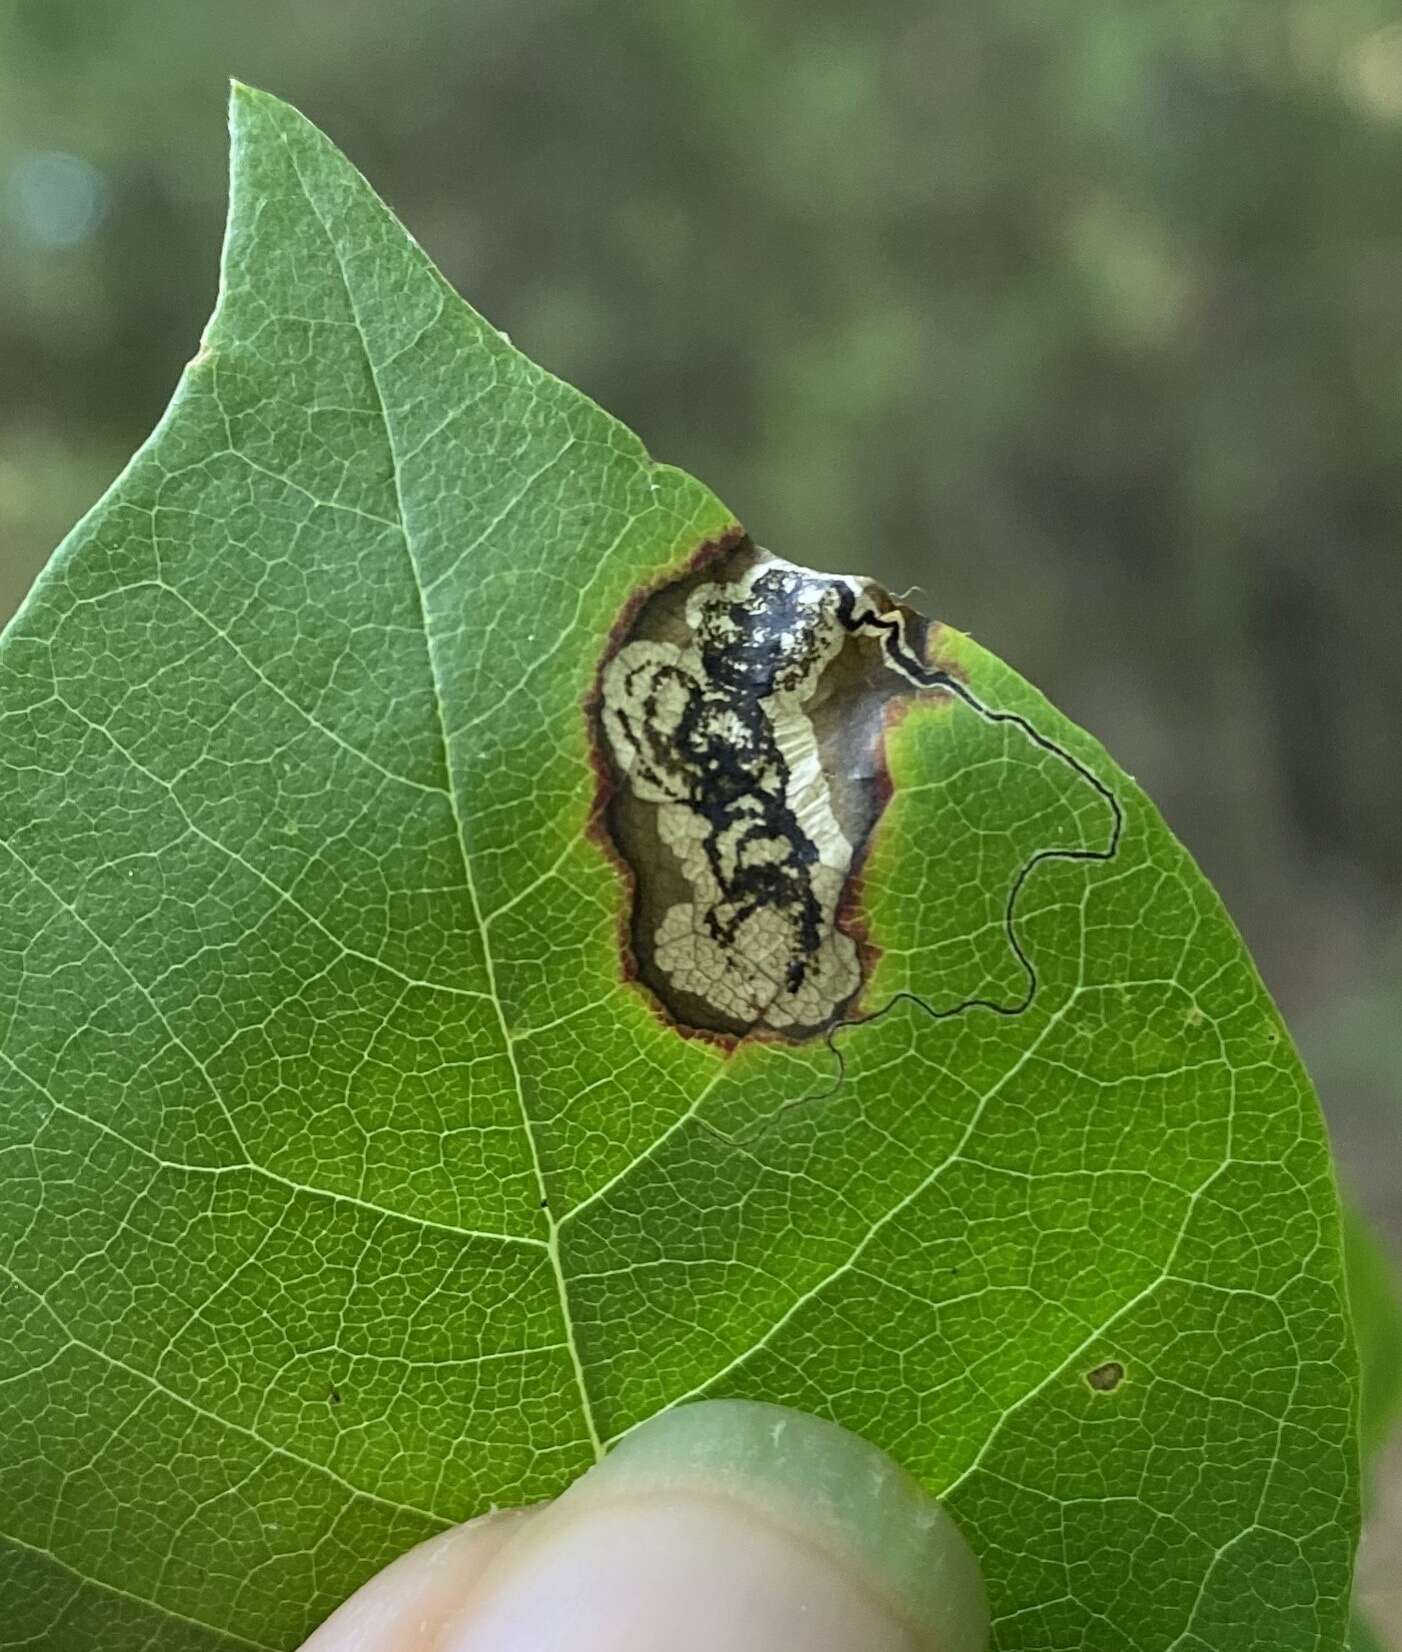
(349,1189)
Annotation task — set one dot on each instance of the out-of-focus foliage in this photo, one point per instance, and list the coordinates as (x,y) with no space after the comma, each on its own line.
(1377,1317)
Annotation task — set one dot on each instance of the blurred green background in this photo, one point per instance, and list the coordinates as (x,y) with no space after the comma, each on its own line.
(1086,319)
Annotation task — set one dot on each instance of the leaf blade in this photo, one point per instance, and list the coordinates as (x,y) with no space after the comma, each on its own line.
(362,1166)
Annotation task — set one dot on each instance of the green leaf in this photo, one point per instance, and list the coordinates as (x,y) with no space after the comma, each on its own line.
(352,1184)
(1377,1319)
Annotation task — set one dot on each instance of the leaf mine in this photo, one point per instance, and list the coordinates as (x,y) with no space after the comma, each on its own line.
(741,718)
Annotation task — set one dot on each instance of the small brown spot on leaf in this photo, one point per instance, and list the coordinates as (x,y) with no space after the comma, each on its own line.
(1104,1379)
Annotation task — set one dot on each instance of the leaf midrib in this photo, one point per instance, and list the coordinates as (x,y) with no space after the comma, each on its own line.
(547,1217)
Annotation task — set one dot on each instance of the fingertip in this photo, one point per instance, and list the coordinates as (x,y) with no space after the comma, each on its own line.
(726,1526)
(730,1526)
(412,1603)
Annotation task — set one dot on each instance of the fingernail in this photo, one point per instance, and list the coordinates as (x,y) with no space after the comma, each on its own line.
(731,1526)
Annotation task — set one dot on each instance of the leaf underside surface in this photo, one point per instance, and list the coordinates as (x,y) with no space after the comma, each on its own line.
(348,1188)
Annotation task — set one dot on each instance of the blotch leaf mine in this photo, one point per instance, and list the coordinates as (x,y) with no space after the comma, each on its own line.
(373,1150)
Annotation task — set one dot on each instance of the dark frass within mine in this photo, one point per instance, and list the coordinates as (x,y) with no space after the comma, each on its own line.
(741,719)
